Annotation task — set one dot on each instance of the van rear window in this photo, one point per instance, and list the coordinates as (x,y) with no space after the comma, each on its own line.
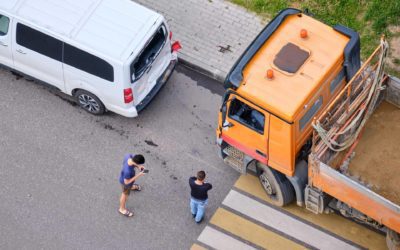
(148,54)
(87,62)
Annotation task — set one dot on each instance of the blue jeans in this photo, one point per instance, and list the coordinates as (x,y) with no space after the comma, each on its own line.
(198,207)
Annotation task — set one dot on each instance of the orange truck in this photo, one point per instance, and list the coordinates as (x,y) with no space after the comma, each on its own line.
(296,105)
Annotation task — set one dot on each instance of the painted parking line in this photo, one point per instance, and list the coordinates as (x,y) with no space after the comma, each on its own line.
(284,223)
(333,223)
(250,231)
(218,240)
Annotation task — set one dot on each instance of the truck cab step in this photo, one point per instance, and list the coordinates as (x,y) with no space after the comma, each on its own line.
(314,200)
(236,164)
(234,153)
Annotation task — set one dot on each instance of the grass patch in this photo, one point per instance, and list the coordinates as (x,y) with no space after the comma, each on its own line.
(370,18)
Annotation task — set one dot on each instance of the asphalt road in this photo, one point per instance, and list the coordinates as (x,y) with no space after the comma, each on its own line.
(59,167)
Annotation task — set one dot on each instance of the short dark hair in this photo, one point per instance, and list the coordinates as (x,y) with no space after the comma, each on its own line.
(138,159)
(201,175)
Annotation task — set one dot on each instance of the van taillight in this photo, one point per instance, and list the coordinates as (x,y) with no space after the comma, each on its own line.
(128,95)
(170,35)
(176,46)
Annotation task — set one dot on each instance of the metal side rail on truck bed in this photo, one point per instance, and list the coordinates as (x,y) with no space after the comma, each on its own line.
(336,133)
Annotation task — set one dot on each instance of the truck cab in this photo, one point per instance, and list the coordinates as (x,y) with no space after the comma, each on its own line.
(288,74)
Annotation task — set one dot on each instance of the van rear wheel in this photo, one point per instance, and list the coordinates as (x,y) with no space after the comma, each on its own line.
(276,185)
(89,102)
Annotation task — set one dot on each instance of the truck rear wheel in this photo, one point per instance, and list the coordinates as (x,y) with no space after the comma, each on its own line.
(276,185)
(392,240)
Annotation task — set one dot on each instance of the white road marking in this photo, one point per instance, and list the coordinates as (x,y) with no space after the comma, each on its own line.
(282,222)
(221,241)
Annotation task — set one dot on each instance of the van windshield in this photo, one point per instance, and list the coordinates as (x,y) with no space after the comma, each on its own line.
(148,54)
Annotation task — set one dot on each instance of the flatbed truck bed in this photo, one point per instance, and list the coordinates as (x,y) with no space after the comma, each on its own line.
(354,165)
(377,159)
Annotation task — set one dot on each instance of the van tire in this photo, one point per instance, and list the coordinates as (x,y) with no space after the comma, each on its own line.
(392,240)
(89,102)
(277,187)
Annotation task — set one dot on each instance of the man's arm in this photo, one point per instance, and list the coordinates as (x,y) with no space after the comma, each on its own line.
(129,181)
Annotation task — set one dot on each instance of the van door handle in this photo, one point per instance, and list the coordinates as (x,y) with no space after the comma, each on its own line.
(3,44)
(261,153)
(21,51)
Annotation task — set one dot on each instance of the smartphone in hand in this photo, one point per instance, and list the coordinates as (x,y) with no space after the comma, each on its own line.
(145,171)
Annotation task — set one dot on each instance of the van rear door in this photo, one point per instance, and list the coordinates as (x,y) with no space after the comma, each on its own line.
(38,55)
(150,63)
(5,41)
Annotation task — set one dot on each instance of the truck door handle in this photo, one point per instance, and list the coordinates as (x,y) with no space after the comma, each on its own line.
(260,153)
(21,51)
(3,44)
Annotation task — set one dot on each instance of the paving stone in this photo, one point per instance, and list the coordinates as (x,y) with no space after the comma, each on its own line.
(203,26)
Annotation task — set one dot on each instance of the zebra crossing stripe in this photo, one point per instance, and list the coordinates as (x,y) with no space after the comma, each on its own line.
(284,223)
(218,240)
(197,247)
(245,229)
(333,224)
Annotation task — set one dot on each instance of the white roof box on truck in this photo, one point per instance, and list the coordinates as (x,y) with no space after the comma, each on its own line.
(89,22)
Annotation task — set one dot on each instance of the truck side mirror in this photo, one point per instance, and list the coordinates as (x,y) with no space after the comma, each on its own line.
(227,124)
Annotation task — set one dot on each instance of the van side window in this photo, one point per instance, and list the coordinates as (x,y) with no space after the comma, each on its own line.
(311,113)
(243,113)
(39,42)
(4,22)
(89,63)
(335,82)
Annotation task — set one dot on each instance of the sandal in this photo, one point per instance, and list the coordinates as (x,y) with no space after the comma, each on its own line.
(136,187)
(127,213)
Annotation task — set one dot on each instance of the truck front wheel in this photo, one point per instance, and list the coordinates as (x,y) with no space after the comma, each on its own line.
(392,240)
(276,185)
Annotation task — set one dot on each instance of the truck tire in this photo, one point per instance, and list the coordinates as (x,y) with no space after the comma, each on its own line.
(89,102)
(392,240)
(276,185)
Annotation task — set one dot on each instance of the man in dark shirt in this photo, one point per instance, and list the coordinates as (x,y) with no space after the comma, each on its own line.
(199,197)
(128,178)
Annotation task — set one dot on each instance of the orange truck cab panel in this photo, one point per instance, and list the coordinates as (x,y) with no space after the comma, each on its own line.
(289,73)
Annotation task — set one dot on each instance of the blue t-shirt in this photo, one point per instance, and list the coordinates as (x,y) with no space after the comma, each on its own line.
(127,171)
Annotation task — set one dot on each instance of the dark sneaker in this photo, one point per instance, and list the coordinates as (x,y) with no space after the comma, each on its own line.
(198,222)
(193,215)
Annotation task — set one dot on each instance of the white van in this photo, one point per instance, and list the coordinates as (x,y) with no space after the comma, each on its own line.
(109,54)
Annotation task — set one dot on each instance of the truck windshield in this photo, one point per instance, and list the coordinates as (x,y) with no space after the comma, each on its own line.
(148,54)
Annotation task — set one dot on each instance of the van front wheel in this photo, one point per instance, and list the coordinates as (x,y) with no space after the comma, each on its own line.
(276,185)
(89,102)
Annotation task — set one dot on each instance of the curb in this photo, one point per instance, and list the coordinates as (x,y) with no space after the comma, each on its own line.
(205,70)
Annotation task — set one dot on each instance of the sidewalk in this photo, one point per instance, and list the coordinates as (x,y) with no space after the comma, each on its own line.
(213,33)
